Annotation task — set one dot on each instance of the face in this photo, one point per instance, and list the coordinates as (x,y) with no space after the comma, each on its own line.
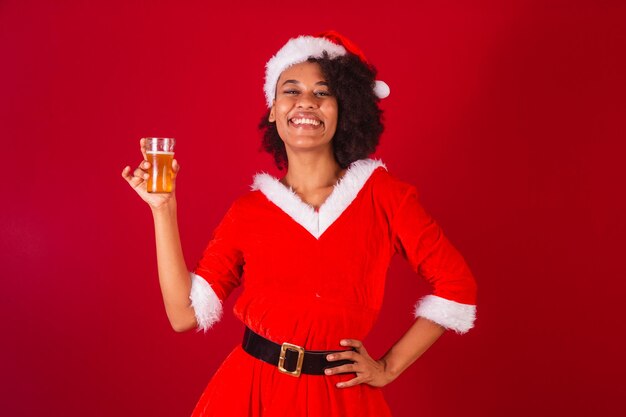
(304,110)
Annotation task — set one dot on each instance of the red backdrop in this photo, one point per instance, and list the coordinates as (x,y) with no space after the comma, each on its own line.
(506,115)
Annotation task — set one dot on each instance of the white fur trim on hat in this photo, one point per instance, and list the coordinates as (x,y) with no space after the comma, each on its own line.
(295,51)
(447,313)
(206,304)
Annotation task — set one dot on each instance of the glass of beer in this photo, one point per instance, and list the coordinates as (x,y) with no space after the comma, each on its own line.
(160,154)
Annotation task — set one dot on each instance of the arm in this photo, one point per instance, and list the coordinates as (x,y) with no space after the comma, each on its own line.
(420,240)
(420,336)
(173,275)
(194,300)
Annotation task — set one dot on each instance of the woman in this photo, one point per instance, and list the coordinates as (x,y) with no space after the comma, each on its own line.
(311,250)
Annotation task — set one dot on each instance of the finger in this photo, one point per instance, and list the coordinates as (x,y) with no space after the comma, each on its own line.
(175,168)
(354,381)
(141,174)
(126,173)
(348,354)
(357,344)
(351,342)
(131,179)
(342,369)
(142,144)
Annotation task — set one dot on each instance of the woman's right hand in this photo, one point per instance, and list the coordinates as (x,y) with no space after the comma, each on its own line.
(139,177)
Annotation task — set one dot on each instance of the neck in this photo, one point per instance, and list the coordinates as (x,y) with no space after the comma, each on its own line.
(312,171)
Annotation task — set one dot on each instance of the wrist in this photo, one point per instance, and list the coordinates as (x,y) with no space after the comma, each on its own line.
(168,208)
(389,373)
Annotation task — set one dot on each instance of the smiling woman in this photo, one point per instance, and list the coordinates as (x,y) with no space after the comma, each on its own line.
(352,83)
(312,249)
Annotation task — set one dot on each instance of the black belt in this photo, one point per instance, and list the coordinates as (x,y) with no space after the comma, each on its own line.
(290,359)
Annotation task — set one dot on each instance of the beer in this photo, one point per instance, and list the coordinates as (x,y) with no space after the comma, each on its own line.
(160,154)
(160,180)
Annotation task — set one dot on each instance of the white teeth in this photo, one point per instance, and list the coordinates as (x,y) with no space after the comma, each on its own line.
(303,121)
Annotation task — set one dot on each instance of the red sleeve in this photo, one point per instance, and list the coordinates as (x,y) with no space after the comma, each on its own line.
(217,273)
(222,261)
(420,240)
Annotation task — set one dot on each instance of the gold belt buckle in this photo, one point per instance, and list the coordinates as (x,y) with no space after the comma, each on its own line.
(283,354)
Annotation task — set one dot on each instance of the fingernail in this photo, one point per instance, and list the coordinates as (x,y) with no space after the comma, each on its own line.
(339,385)
(327,371)
(330,357)
(343,342)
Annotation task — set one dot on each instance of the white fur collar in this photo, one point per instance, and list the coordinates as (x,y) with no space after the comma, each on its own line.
(316,222)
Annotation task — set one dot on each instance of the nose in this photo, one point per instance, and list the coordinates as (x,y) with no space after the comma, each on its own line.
(307,100)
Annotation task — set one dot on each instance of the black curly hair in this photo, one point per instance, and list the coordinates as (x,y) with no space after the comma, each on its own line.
(359,121)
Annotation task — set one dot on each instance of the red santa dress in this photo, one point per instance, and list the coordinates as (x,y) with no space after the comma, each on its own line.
(312,277)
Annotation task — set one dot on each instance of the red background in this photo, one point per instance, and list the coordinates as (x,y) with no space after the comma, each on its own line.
(505,114)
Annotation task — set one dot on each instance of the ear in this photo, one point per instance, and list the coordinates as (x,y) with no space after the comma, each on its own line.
(272,117)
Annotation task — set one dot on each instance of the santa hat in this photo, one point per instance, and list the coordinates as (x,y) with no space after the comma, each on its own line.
(299,49)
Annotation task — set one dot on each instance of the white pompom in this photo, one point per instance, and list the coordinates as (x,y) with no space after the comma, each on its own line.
(381,89)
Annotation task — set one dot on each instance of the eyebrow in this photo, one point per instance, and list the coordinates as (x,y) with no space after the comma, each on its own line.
(298,82)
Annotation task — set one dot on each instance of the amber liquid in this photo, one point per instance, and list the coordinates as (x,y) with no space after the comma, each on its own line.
(160,180)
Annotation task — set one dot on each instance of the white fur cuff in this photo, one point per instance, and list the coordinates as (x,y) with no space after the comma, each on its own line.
(206,304)
(449,314)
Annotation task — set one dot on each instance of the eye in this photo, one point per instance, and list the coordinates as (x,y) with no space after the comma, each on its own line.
(323,93)
(291,92)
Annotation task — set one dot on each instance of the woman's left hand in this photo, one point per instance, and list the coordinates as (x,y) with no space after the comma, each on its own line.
(368,371)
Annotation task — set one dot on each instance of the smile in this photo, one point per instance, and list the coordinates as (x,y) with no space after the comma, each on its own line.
(304,122)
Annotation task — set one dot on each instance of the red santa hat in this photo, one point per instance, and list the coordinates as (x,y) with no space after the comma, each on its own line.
(299,49)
